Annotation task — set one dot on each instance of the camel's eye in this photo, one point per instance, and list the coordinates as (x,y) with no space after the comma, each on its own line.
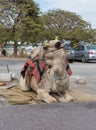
(57,45)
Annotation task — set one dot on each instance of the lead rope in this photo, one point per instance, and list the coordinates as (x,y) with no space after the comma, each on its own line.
(57,83)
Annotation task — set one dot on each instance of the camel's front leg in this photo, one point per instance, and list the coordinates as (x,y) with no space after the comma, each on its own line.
(43,95)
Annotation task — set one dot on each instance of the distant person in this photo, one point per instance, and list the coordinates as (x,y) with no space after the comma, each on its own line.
(4,52)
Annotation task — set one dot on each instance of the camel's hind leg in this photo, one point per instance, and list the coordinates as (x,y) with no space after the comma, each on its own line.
(23,85)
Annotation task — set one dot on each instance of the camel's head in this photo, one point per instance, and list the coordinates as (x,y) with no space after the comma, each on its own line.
(53,44)
(55,56)
(59,61)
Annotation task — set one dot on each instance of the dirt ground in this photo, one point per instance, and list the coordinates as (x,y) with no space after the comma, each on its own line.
(13,95)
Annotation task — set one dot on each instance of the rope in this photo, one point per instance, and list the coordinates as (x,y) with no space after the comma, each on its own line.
(58,78)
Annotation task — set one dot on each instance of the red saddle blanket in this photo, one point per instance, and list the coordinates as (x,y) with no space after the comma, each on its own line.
(68,69)
(38,67)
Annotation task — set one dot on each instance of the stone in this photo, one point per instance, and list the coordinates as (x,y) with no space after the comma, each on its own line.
(78,79)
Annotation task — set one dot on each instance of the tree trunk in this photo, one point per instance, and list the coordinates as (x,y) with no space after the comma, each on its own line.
(15,48)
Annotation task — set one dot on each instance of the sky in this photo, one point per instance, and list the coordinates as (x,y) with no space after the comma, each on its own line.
(85,8)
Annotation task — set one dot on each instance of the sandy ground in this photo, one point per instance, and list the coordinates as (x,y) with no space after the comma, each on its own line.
(14,95)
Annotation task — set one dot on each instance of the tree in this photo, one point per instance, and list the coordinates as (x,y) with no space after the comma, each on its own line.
(93,33)
(66,25)
(22,18)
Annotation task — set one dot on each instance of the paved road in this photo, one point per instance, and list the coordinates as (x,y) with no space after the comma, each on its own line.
(59,116)
(67,116)
(83,69)
(87,70)
(14,65)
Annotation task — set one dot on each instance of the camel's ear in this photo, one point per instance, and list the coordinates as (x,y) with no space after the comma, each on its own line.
(58,45)
(45,47)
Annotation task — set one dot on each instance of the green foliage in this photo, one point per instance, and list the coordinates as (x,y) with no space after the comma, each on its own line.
(28,23)
(21,19)
(66,25)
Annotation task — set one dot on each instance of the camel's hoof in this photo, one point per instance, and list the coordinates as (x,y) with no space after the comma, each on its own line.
(44,96)
(50,99)
(61,99)
(65,98)
(68,98)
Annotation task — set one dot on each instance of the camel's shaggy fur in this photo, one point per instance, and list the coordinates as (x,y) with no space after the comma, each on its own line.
(55,78)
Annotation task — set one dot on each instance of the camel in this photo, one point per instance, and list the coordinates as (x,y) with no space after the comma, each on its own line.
(53,78)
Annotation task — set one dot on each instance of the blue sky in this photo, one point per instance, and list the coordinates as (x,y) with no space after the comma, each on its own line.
(85,8)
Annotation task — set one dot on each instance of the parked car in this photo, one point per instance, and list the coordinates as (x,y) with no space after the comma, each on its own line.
(70,53)
(85,53)
(28,51)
